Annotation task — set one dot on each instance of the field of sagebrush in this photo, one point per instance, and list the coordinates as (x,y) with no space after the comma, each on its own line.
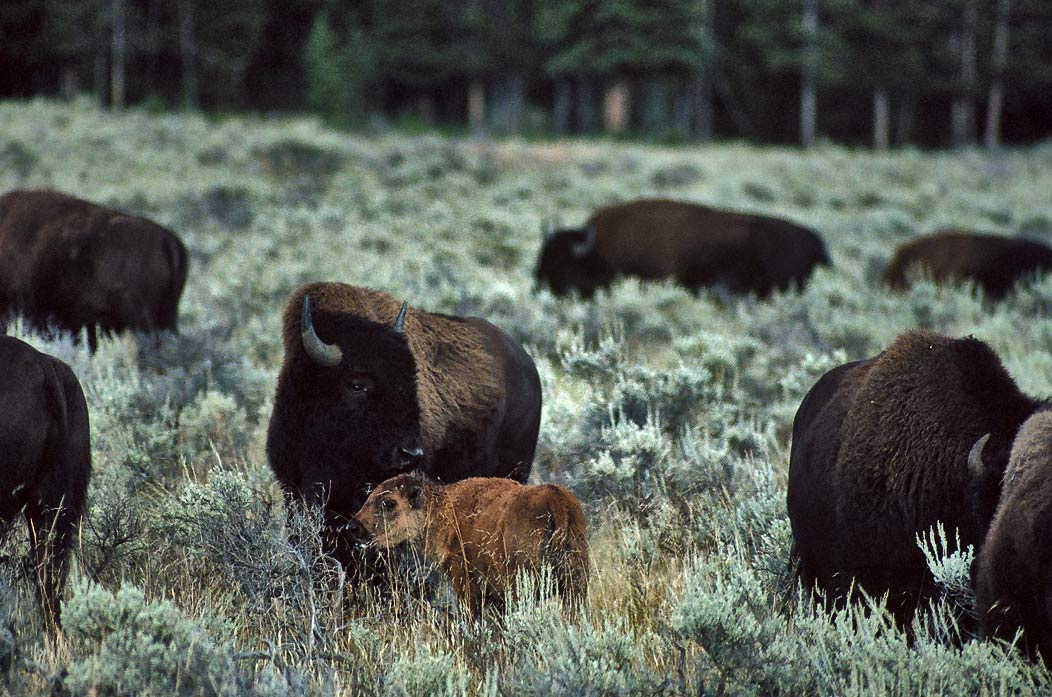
(669,415)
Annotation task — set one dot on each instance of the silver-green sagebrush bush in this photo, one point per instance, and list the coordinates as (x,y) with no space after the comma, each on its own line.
(669,414)
(122,644)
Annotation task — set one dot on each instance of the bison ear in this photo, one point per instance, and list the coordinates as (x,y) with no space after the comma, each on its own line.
(584,248)
(415,496)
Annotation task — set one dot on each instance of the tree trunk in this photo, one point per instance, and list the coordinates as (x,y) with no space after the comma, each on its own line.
(188,54)
(119,56)
(808,88)
(904,119)
(563,105)
(615,107)
(656,107)
(585,105)
(694,114)
(476,107)
(963,109)
(998,59)
(881,119)
(508,112)
(69,84)
(99,73)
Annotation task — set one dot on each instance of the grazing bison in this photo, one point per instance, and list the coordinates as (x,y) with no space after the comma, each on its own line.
(46,460)
(694,245)
(482,532)
(368,390)
(994,262)
(880,453)
(72,265)
(1013,579)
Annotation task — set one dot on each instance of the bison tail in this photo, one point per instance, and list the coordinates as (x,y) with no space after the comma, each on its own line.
(565,549)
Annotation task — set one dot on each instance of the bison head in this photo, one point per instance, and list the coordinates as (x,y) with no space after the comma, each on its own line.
(355,391)
(396,511)
(569,260)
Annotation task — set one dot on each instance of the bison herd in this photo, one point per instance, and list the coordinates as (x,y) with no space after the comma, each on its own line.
(410,427)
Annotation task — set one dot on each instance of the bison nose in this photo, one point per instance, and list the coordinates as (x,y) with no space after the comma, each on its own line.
(409,458)
(355,530)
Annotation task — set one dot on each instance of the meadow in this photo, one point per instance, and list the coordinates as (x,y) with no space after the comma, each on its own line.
(668,414)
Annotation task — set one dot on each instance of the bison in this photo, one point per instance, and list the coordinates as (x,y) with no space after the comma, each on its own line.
(71,264)
(880,453)
(47,460)
(482,532)
(370,388)
(993,262)
(694,245)
(1013,578)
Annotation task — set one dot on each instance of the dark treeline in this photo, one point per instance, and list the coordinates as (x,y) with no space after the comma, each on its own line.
(882,72)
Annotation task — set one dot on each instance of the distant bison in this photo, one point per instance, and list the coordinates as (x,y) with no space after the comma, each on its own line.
(1013,580)
(482,532)
(994,262)
(47,460)
(880,453)
(694,245)
(368,390)
(72,265)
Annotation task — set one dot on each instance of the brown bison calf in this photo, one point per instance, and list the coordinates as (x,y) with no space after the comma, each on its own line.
(1013,580)
(995,263)
(483,531)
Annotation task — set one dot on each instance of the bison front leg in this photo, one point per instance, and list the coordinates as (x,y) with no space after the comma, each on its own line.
(51,533)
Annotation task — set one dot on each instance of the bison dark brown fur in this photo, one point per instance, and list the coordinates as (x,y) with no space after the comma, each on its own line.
(692,244)
(994,262)
(880,453)
(71,264)
(46,460)
(1013,580)
(452,396)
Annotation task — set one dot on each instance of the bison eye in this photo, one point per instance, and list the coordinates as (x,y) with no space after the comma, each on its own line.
(387,504)
(359,386)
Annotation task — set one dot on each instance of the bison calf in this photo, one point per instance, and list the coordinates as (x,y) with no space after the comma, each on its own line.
(1013,581)
(72,264)
(46,459)
(994,262)
(694,245)
(483,531)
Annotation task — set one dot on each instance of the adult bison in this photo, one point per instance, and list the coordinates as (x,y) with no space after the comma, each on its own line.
(71,264)
(880,453)
(1013,579)
(694,245)
(46,460)
(994,262)
(368,390)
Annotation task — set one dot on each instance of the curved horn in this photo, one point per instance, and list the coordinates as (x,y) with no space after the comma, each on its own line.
(585,248)
(328,355)
(975,457)
(399,323)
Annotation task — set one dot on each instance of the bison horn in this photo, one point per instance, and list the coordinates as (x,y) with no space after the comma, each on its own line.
(328,355)
(548,229)
(975,457)
(399,323)
(585,248)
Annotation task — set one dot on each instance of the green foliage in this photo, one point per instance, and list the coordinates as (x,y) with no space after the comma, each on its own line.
(338,72)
